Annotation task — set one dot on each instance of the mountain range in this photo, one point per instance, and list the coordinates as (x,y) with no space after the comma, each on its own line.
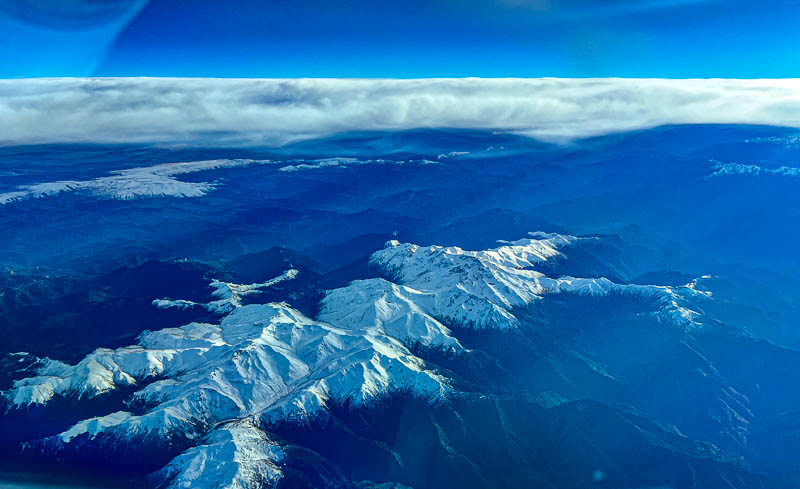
(426,309)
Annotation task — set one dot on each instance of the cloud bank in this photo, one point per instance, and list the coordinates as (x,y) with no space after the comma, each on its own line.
(274,112)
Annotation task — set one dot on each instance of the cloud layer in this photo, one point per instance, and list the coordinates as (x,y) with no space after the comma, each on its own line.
(274,112)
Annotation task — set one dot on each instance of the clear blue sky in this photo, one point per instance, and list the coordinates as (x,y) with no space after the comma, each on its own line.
(407,39)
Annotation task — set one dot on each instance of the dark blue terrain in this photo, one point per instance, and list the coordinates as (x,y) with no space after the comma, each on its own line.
(654,407)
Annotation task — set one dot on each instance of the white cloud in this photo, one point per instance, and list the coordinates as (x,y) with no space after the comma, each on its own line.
(271,112)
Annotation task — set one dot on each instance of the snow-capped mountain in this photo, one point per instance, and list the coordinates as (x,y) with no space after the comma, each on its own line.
(394,310)
(238,455)
(347,315)
(216,389)
(228,295)
(262,359)
(154,181)
(481,289)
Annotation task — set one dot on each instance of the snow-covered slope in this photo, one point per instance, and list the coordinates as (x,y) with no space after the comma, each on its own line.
(260,359)
(149,181)
(301,165)
(481,289)
(228,295)
(237,455)
(266,362)
(219,387)
(389,309)
(720,169)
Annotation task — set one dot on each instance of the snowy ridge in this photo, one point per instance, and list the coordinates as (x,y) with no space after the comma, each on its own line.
(262,357)
(481,289)
(237,455)
(789,142)
(727,169)
(266,363)
(220,387)
(132,183)
(93,426)
(389,309)
(474,288)
(300,165)
(229,295)
(451,154)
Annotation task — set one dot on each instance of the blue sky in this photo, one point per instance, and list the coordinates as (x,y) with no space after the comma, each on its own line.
(408,39)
